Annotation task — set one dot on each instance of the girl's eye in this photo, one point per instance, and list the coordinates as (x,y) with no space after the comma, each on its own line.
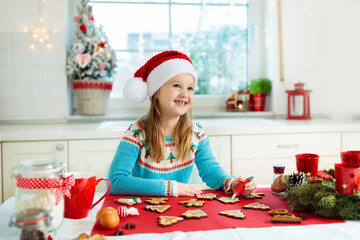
(176,85)
(191,89)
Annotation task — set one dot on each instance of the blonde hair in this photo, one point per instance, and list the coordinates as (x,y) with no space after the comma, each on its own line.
(155,139)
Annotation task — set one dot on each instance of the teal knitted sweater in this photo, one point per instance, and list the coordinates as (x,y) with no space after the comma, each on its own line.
(133,172)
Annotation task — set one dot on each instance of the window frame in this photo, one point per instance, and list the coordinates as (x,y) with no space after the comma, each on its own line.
(262,16)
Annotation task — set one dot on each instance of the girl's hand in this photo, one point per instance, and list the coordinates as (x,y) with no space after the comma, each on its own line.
(187,190)
(249,187)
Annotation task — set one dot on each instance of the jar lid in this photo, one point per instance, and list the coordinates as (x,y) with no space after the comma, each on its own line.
(32,217)
(279,169)
(39,165)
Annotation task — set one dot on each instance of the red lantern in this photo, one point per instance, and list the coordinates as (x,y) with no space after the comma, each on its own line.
(298,102)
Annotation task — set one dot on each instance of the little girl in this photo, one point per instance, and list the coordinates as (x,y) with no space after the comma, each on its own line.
(157,154)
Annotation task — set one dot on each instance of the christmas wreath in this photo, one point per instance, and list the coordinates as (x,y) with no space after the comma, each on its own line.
(318,195)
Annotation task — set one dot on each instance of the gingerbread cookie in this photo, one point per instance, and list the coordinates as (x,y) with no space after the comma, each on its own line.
(207,196)
(194,214)
(278,212)
(253,195)
(288,218)
(155,201)
(233,214)
(227,200)
(257,206)
(158,208)
(169,220)
(193,203)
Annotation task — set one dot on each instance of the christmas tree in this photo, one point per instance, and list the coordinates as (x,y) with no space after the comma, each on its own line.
(91,56)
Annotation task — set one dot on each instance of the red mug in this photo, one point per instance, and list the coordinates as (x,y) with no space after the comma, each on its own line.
(347,178)
(82,194)
(307,163)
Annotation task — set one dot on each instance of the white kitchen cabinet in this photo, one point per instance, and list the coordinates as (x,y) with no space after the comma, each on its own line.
(15,152)
(93,156)
(350,141)
(256,154)
(221,149)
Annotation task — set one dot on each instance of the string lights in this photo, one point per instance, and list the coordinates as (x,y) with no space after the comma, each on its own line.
(40,34)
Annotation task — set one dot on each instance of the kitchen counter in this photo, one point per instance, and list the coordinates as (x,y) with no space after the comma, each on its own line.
(213,127)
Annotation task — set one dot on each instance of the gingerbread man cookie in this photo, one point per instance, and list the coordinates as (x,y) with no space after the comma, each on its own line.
(233,214)
(197,213)
(207,196)
(193,203)
(253,195)
(155,201)
(169,220)
(257,206)
(158,208)
(227,200)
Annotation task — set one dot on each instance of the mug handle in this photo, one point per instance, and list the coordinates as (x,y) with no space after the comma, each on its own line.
(105,194)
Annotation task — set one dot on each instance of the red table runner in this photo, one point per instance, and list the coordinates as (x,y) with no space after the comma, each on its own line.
(147,221)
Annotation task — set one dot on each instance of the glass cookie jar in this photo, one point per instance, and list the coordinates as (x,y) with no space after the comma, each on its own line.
(40,185)
(32,224)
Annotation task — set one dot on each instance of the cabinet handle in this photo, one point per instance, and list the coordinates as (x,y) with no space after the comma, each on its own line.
(59,147)
(288,146)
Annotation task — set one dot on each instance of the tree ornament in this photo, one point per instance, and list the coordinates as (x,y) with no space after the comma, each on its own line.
(92,18)
(102,44)
(101,67)
(77,19)
(83,59)
(82,27)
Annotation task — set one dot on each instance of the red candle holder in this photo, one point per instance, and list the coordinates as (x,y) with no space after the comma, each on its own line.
(347,178)
(352,157)
(298,102)
(307,163)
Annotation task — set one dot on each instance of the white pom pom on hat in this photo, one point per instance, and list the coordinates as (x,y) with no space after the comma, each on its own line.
(156,72)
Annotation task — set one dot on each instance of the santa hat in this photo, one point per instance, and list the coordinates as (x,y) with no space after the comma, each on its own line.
(156,72)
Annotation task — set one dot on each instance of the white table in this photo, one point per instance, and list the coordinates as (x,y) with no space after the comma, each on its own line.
(70,229)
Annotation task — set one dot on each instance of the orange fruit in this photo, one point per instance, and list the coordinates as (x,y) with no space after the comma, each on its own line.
(105,210)
(109,220)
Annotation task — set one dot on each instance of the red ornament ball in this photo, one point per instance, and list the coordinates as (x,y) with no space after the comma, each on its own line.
(82,28)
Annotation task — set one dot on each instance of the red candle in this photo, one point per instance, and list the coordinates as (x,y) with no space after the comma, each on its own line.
(307,163)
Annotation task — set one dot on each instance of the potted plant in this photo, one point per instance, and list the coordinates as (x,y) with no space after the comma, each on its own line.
(259,88)
(90,63)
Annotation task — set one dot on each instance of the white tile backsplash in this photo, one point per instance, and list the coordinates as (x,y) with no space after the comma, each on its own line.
(39,74)
(21,57)
(40,109)
(5,40)
(6,91)
(40,91)
(22,109)
(22,91)
(21,74)
(5,74)
(33,83)
(5,57)
(39,57)
(7,109)
(20,40)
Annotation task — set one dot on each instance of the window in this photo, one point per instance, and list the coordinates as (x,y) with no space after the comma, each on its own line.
(214,33)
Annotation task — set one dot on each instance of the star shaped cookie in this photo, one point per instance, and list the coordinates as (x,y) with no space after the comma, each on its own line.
(156,201)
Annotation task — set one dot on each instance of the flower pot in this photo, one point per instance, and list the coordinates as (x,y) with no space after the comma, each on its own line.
(258,102)
(92,96)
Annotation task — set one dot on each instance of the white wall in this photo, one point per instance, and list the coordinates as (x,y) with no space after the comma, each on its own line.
(32,83)
(321,45)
